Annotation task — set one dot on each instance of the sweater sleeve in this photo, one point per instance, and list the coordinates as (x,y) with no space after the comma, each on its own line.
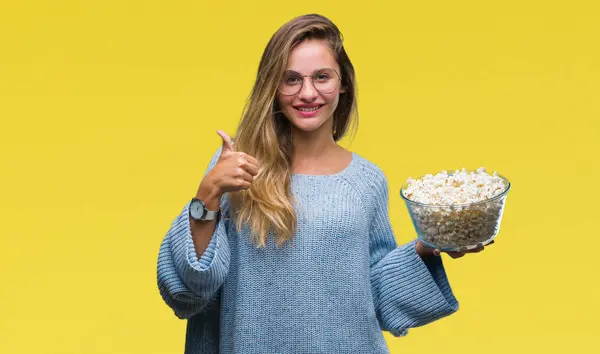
(408,291)
(189,284)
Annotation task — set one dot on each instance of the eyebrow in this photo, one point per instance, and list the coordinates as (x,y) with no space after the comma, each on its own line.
(290,71)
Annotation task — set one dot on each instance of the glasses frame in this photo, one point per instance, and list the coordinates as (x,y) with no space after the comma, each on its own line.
(339,80)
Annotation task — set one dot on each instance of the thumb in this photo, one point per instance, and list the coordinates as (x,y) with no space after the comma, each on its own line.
(227,143)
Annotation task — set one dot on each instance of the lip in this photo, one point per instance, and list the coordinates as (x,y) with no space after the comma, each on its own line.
(308,114)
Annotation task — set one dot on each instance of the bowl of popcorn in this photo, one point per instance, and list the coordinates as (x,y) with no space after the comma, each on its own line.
(456,211)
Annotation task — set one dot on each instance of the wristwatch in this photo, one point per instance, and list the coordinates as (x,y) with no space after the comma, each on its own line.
(198,211)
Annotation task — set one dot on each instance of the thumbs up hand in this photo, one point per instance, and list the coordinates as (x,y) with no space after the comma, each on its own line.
(233,171)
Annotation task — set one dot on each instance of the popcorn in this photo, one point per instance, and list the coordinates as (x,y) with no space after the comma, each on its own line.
(449,220)
(461,187)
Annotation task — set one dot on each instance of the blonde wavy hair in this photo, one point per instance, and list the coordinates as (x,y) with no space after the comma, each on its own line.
(265,133)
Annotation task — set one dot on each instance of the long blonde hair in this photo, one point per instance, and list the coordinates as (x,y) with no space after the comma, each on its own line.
(265,133)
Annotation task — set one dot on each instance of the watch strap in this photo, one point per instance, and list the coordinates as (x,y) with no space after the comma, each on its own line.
(211,214)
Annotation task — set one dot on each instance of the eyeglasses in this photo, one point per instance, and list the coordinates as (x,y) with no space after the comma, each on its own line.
(324,80)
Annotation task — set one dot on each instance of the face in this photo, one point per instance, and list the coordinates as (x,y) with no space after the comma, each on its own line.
(311,57)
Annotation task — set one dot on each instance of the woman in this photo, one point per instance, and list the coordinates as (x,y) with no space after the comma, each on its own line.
(287,246)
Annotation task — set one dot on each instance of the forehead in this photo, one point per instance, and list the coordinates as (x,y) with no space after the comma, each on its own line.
(311,55)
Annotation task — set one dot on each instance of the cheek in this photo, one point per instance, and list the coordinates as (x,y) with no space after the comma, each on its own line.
(333,101)
(284,102)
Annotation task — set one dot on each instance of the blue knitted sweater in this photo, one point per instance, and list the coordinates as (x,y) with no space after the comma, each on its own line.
(333,289)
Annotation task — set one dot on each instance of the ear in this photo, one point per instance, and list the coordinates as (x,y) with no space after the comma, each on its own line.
(342,89)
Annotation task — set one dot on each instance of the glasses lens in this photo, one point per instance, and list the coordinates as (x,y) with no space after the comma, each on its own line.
(326,80)
(291,84)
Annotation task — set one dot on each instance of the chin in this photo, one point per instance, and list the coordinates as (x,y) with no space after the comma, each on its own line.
(308,124)
(307,128)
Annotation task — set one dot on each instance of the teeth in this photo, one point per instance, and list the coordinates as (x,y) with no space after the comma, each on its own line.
(306,109)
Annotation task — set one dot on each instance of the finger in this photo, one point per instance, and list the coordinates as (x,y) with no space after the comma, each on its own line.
(227,144)
(247,162)
(244,185)
(251,164)
(456,254)
(253,161)
(243,174)
(436,252)
(250,168)
(477,249)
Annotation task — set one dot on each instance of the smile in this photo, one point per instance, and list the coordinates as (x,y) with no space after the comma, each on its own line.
(308,109)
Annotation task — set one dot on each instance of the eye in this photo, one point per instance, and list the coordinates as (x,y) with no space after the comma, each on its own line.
(322,77)
(292,80)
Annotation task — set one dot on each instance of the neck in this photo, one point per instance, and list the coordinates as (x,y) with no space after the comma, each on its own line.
(312,145)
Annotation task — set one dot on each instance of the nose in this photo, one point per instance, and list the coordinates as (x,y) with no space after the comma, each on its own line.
(308,92)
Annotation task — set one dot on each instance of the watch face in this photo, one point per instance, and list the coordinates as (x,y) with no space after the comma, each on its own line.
(196,209)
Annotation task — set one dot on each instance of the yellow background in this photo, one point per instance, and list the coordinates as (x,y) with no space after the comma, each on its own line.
(108,116)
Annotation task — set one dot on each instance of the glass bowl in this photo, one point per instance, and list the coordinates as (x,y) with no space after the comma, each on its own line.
(457,227)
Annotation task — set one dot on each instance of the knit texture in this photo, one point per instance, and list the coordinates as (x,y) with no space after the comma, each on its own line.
(334,289)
